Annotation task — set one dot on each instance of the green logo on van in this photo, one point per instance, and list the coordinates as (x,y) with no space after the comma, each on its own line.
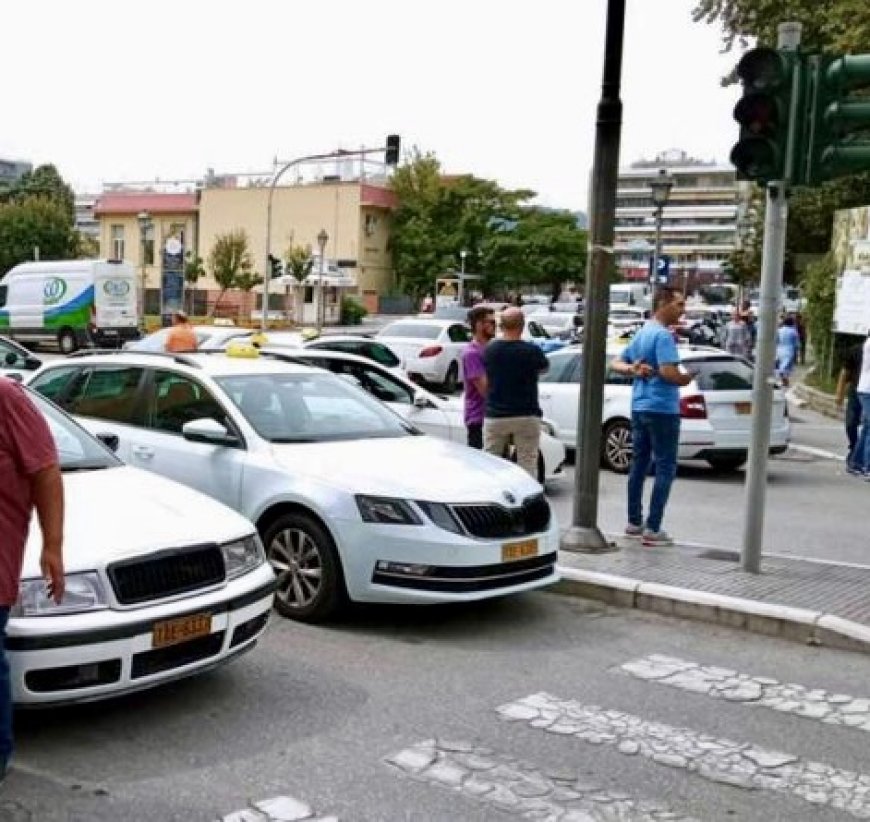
(116,288)
(53,290)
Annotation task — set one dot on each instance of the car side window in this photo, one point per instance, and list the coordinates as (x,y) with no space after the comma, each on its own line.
(561,368)
(381,386)
(11,357)
(615,378)
(380,354)
(175,399)
(52,384)
(458,333)
(107,393)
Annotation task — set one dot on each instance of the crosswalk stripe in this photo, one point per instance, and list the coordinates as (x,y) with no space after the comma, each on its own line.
(718,760)
(723,683)
(521,788)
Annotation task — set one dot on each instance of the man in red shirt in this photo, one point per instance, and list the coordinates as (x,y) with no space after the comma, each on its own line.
(29,478)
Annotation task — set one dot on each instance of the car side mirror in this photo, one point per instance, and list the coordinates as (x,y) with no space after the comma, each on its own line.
(111,441)
(32,363)
(11,358)
(421,401)
(208,431)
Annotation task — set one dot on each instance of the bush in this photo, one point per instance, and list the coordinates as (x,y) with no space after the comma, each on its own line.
(352,312)
(819,286)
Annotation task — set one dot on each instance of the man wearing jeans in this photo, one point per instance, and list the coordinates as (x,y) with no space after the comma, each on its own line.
(29,478)
(481,320)
(652,359)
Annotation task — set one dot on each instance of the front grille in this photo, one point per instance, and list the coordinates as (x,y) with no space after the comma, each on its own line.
(493,521)
(174,656)
(167,574)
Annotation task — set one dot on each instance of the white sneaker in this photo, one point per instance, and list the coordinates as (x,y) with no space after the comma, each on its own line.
(633,531)
(654,538)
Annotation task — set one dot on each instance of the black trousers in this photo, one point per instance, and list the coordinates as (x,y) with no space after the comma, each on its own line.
(475,435)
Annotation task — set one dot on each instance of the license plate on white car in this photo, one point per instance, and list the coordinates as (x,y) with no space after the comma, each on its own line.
(511,551)
(743,408)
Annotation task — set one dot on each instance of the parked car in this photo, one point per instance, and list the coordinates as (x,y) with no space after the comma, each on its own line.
(431,348)
(208,338)
(716,408)
(161,581)
(438,416)
(366,347)
(15,360)
(348,498)
(560,325)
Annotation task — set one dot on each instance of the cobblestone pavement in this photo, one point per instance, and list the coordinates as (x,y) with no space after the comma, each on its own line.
(723,683)
(738,764)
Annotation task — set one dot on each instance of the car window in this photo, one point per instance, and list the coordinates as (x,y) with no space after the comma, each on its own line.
(53,383)
(310,407)
(536,330)
(561,368)
(174,399)
(721,373)
(411,330)
(380,354)
(459,333)
(382,386)
(107,393)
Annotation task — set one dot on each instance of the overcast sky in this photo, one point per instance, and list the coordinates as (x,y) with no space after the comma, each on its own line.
(504,89)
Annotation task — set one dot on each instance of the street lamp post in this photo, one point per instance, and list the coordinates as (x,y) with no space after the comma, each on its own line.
(145,224)
(462,255)
(322,238)
(660,188)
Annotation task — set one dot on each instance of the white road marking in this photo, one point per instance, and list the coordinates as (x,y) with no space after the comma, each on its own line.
(521,788)
(723,683)
(812,451)
(718,760)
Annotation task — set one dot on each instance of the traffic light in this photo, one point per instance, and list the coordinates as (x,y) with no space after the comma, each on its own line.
(391,155)
(276,267)
(763,114)
(837,121)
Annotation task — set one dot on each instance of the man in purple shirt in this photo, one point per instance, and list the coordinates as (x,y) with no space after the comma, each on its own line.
(482,322)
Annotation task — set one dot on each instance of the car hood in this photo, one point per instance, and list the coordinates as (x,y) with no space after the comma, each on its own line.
(122,512)
(417,467)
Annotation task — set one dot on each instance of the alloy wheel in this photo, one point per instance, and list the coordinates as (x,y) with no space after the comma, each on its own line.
(297,561)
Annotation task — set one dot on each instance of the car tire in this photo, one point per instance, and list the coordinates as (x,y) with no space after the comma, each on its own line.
(451,378)
(616,446)
(303,555)
(66,341)
(726,463)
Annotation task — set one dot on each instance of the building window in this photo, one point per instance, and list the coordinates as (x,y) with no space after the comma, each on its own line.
(117,242)
(148,245)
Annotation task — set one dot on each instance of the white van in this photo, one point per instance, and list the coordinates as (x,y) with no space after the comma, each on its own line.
(630,295)
(72,303)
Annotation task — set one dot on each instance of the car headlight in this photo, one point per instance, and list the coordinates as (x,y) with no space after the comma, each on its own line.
(82,592)
(548,428)
(243,555)
(386,510)
(441,515)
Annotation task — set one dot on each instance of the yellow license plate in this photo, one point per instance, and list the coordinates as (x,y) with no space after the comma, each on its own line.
(743,407)
(173,631)
(519,550)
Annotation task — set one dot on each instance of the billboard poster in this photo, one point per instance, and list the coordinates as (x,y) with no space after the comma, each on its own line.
(171,278)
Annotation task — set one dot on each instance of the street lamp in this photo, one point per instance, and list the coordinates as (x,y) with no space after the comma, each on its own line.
(462,255)
(322,238)
(660,188)
(145,225)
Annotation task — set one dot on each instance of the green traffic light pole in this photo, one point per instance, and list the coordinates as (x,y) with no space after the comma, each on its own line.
(763,384)
(584,535)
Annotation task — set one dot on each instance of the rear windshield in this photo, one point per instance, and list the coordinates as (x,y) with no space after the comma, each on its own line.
(721,373)
(411,330)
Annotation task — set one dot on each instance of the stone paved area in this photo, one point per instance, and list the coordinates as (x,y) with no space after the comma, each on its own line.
(518,788)
(722,683)
(738,764)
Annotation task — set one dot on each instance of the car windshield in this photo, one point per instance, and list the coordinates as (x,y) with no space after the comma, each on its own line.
(411,331)
(721,373)
(310,407)
(77,450)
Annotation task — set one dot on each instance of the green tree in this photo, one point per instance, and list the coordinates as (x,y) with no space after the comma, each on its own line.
(228,260)
(87,247)
(35,223)
(194,270)
(44,183)
(298,263)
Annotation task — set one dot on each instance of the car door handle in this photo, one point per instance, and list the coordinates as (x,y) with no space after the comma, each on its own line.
(143,452)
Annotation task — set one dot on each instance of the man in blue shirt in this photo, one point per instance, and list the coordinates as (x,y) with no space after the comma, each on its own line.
(652,359)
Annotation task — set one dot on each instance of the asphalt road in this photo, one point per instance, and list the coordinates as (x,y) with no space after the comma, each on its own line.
(315,712)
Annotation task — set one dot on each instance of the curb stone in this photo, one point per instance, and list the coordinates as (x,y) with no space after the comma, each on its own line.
(796,624)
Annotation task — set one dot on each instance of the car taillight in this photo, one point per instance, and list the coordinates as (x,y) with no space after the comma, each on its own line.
(431,351)
(693,407)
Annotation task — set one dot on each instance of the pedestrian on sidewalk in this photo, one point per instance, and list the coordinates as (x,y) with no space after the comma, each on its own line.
(512,408)
(738,339)
(787,347)
(481,320)
(862,450)
(801,327)
(654,362)
(847,395)
(29,478)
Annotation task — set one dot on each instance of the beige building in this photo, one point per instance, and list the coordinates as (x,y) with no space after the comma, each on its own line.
(135,226)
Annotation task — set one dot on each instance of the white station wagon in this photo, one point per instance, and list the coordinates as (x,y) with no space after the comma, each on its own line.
(348,498)
(161,582)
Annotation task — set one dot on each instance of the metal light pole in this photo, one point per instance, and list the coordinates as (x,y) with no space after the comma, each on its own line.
(145,224)
(584,535)
(462,255)
(322,238)
(660,188)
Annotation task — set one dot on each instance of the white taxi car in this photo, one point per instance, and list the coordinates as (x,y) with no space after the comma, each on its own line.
(348,498)
(161,582)
(430,348)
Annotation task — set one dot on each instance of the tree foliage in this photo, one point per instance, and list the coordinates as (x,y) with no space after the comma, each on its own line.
(228,260)
(505,240)
(35,223)
(298,262)
(819,287)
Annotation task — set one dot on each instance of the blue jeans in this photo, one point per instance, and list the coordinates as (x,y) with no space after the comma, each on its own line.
(652,436)
(852,421)
(862,449)
(5,696)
